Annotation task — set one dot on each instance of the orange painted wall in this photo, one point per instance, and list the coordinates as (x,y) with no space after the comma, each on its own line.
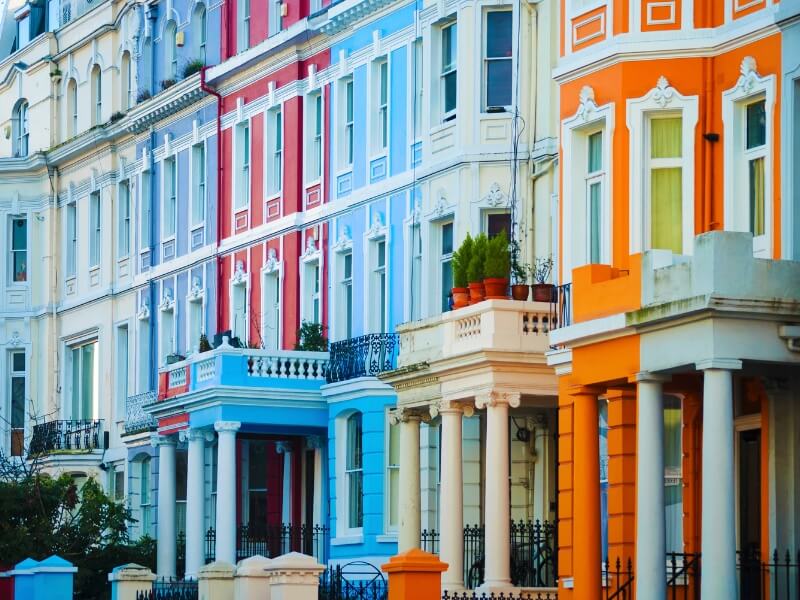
(601,290)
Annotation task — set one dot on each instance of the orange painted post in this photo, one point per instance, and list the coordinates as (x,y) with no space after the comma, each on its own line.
(621,474)
(586,513)
(565,488)
(415,575)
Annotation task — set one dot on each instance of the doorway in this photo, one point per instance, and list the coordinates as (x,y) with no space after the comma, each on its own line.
(748,467)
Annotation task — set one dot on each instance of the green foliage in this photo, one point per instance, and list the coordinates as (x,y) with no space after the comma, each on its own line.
(192,67)
(542,268)
(460,263)
(204,345)
(498,258)
(41,516)
(311,337)
(475,268)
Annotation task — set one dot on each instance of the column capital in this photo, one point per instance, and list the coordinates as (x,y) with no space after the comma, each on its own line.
(649,377)
(156,440)
(194,435)
(314,442)
(446,405)
(497,397)
(283,447)
(232,426)
(406,415)
(727,364)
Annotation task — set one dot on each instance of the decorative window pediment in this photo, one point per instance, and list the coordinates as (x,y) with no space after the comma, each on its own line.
(273,265)
(196,293)
(240,276)
(167,303)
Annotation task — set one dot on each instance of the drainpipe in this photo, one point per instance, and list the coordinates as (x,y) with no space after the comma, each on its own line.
(153,376)
(209,90)
(54,287)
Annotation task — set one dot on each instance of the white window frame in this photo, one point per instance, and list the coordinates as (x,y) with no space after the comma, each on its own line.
(486,59)
(445,71)
(239,284)
(338,301)
(380,106)
(416,79)
(311,293)
(95,228)
(345,533)
(21,129)
(145,509)
(388,526)
(171,50)
(242,185)
(195,309)
(122,383)
(199,192)
(377,234)
(593,178)
(97,94)
(145,210)
(71,347)
(12,251)
(274,154)
(124,219)
(749,88)
(72,107)
(661,100)
(166,317)
(169,195)
(314,149)
(346,131)
(243,26)
(443,258)
(200,30)
(71,237)
(275,17)
(14,374)
(271,275)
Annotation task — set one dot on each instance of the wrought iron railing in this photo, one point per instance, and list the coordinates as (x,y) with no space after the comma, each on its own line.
(520,595)
(363,356)
(429,541)
(274,540)
(561,307)
(357,580)
(180,554)
(137,419)
(61,436)
(617,578)
(170,589)
(776,578)
(683,576)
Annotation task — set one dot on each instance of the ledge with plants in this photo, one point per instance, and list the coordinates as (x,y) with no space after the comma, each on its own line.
(481,268)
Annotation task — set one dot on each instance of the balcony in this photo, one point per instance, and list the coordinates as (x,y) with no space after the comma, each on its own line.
(363,356)
(80,436)
(137,419)
(70,10)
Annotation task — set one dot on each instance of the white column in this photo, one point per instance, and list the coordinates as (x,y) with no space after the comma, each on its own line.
(314,442)
(497,541)
(451,498)
(410,524)
(285,448)
(651,532)
(226,490)
(166,545)
(718,536)
(195,501)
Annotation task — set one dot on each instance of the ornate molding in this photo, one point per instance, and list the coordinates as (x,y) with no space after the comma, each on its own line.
(15,340)
(239,274)
(284,447)
(441,208)
(749,77)
(377,229)
(344,242)
(663,92)
(143,314)
(496,398)
(196,292)
(443,405)
(222,426)
(273,264)
(191,435)
(311,249)
(404,414)
(167,303)
(314,442)
(495,196)
(156,440)
(587,104)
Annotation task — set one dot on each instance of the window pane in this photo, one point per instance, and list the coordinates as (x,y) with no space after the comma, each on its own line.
(257,465)
(180,475)
(665,208)
(356,516)
(498,34)
(447,238)
(348,266)
(87,381)
(665,138)
(450,92)
(354,442)
(595,153)
(756,175)
(18,362)
(384,82)
(394,496)
(19,234)
(673,485)
(447,284)
(449,47)
(76,383)
(20,265)
(756,124)
(594,222)
(394,445)
(17,402)
(381,254)
(498,83)
(498,223)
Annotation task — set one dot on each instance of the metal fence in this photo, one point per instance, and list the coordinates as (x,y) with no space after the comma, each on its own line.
(521,595)
(356,580)
(617,578)
(363,356)
(776,578)
(429,541)
(170,589)
(274,540)
(683,576)
(561,306)
(55,436)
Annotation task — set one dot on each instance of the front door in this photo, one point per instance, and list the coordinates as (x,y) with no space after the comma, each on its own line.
(749,467)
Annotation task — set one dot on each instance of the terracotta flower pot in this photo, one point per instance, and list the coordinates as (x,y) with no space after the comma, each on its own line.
(460,297)
(496,288)
(476,293)
(520,291)
(542,292)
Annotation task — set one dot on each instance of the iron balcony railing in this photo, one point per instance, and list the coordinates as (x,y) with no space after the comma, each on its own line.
(137,419)
(617,578)
(61,436)
(510,595)
(773,577)
(561,307)
(274,540)
(363,356)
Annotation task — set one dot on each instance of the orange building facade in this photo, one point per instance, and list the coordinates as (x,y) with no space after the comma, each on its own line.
(678,354)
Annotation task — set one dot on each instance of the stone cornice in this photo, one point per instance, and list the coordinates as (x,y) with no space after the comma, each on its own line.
(170,101)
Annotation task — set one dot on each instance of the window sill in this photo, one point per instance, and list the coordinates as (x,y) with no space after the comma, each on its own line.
(494,116)
(444,126)
(348,540)
(387,538)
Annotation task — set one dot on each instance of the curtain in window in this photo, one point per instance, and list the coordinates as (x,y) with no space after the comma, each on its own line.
(665,184)
(673,478)
(757,196)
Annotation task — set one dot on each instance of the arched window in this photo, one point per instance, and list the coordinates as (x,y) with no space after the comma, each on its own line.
(354,472)
(97,95)
(125,81)
(199,32)
(170,51)
(72,108)
(20,128)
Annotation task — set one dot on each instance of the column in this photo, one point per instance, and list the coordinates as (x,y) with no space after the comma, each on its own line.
(497,541)
(166,553)
(195,501)
(718,535)
(586,490)
(410,524)
(226,490)
(451,500)
(285,449)
(314,442)
(651,531)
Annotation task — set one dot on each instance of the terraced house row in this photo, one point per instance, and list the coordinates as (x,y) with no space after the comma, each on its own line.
(230,230)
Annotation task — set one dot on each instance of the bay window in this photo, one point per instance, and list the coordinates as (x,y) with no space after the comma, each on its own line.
(497,68)
(19,249)
(145,500)
(449,71)
(755,155)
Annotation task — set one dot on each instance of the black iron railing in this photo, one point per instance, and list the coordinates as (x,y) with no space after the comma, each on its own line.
(617,580)
(170,589)
(354,581)
(274,540)
(59,436)
(521,595)
(137,419)
(180,554)
(776,578)
(683,576)
(363,356)
(561,306)
(534,553)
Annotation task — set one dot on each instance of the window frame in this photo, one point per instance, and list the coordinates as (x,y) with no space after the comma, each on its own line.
(274,157)
(14,373)
(97,95)
(315,108)
(592,178)
(169,195)
(448,69)
(381,92)
(444,259)
(96,229)
(346,114)
(269,278)
(390,527)
(21,129)
(652,164)
(486,59)
(72,107)
(243,26)
(171,50)
(199,190)
(244,163)
(353,471)
(78,346)
(124,219)
(12,253)
(71,236)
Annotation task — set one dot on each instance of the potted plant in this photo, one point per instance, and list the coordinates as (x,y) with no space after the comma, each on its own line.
(311,337)
(519,274)
(542,291)
(475,269)
(204,345)
(496,267)
(461,258)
